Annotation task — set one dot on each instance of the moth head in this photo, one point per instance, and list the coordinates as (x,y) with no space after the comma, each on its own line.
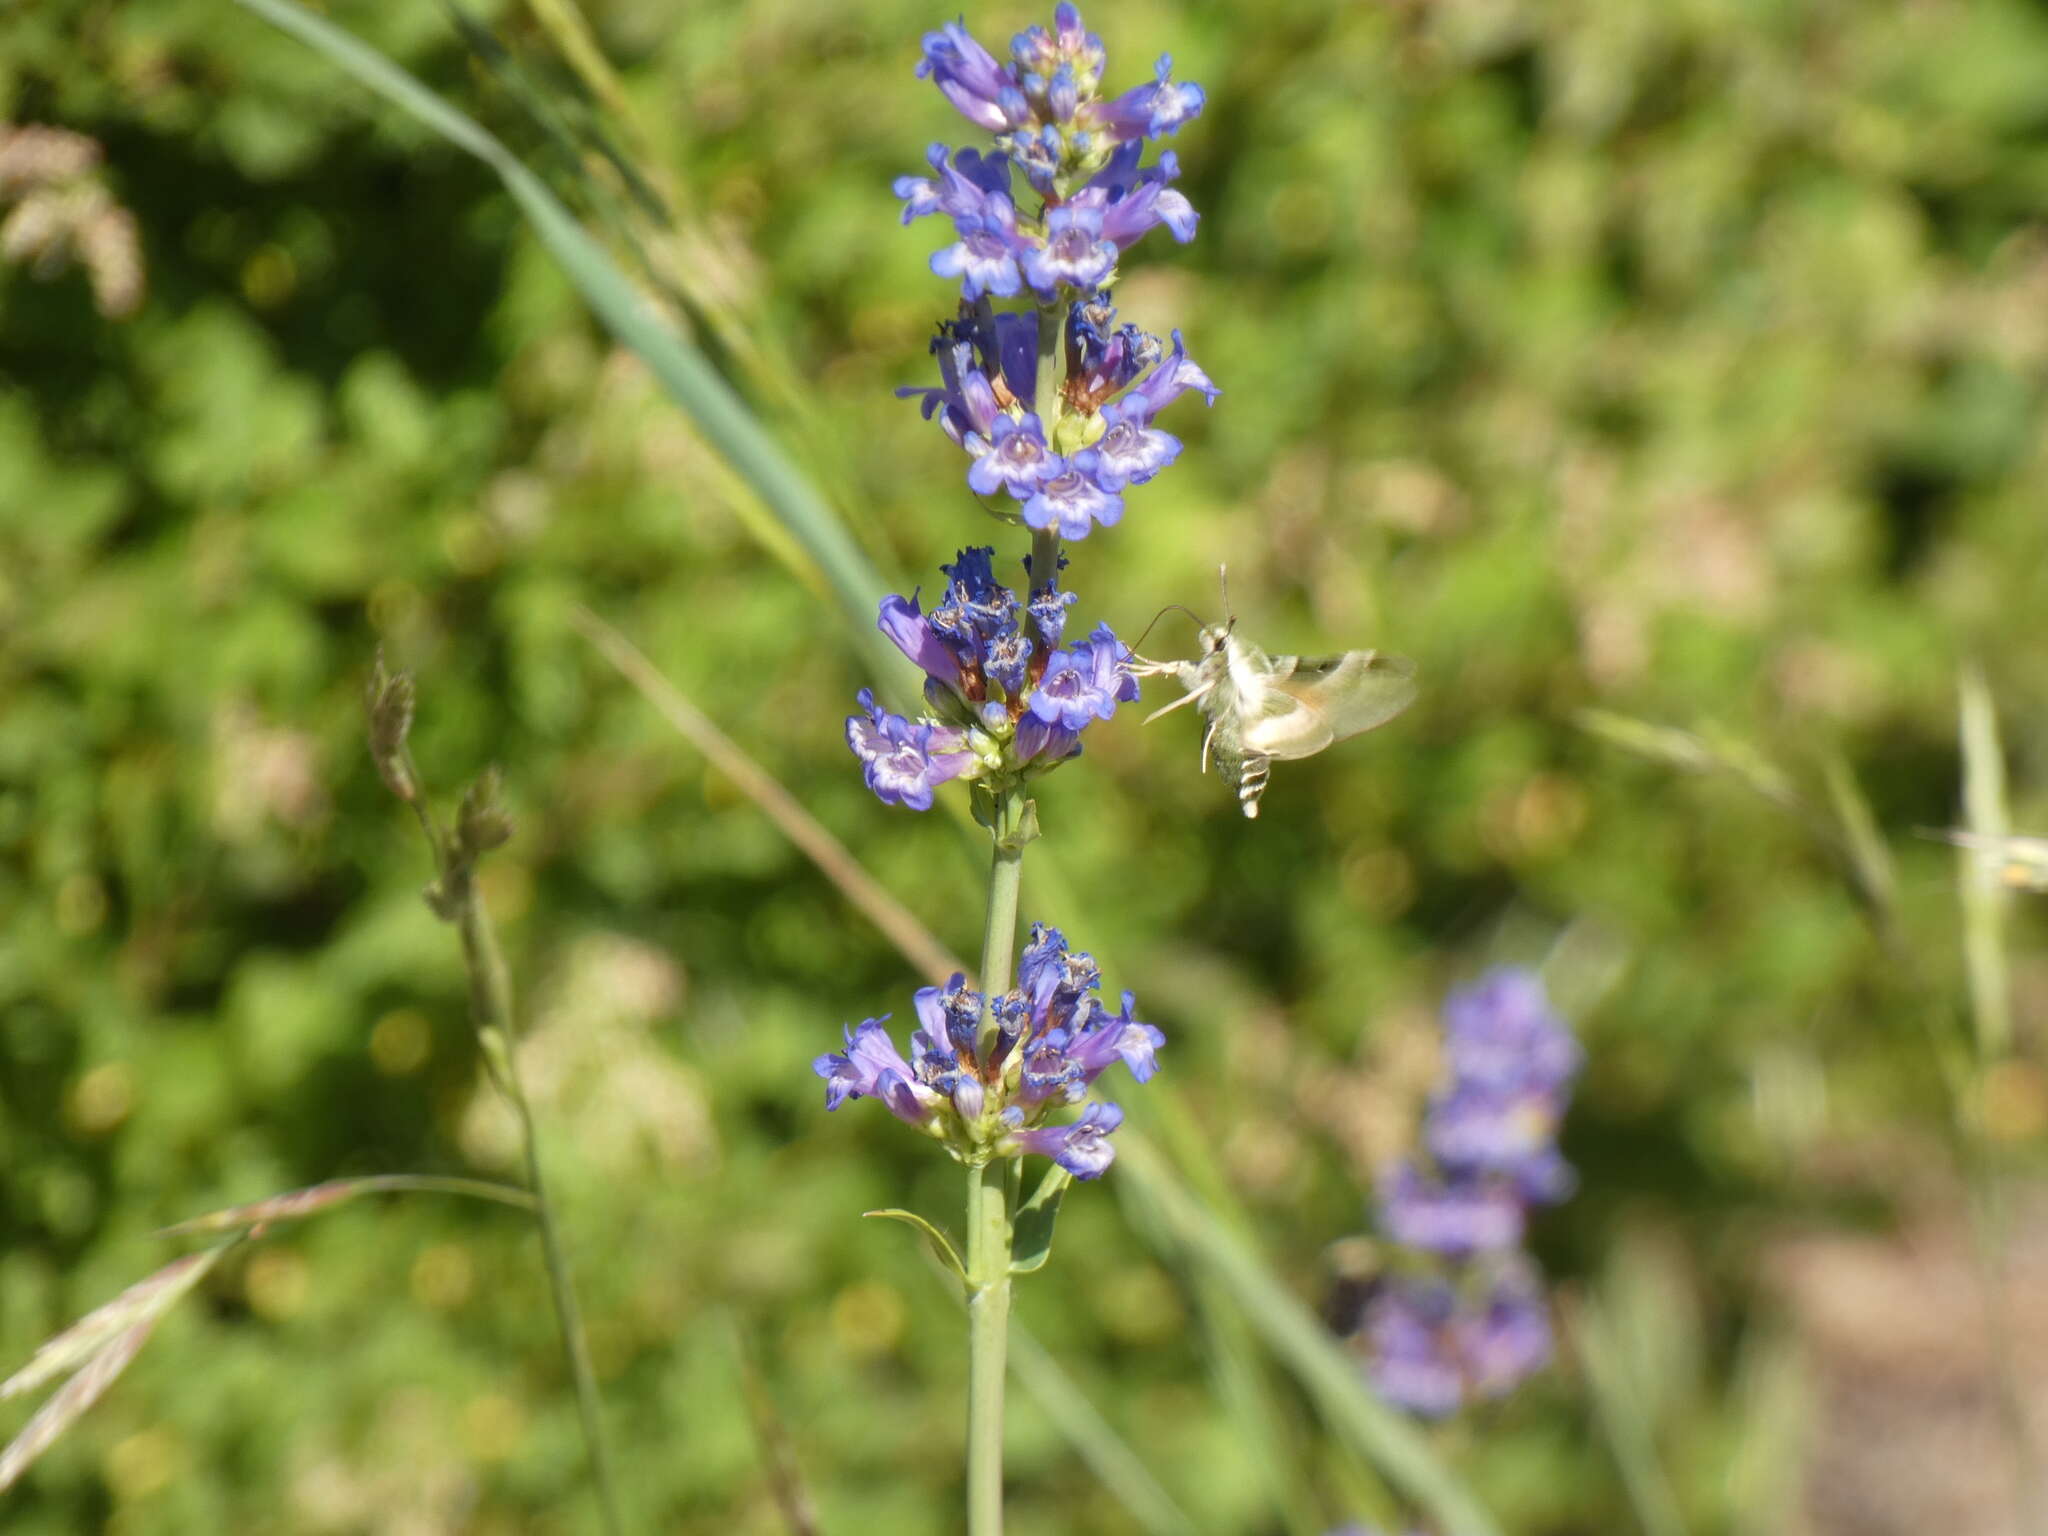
(1215,636)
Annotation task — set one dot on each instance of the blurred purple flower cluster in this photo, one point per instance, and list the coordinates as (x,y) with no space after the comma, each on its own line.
(1054,1037)
(1464,1313)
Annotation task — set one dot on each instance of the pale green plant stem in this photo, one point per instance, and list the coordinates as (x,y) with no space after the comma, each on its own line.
(491,1008)
(991,1205)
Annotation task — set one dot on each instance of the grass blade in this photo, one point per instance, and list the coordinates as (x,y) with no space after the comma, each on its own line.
(1330,1376)
(1108,1456)
(301,1203)
(1626,1422)
(688,379)
(1983,894)
(1864,852)
(771,1434)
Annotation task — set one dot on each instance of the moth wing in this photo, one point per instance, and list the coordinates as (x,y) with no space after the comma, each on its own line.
(1312,703)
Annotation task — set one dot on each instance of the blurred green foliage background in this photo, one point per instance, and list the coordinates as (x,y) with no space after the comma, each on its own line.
(1683,361)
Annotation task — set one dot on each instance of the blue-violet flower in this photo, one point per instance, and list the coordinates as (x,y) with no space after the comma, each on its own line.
(1053,1038)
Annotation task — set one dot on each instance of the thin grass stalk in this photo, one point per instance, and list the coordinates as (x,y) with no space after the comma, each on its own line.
(894,920)
(778,1456)
(301,1203)
(491,985)
(1988,970)
(495,1018)
(1625,1423)
(1097,1442)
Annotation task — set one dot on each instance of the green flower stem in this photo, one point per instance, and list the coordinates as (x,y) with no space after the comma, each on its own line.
(1045,556)
(991,1204)
(988,1340)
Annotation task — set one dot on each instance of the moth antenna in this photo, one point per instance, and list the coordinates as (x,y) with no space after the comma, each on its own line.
(1223,581)
(1162,613)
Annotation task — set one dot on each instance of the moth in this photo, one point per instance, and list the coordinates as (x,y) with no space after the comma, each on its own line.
(1263,709)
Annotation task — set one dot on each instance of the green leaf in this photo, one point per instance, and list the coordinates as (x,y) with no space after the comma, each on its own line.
(1031,1244)
(940,1245)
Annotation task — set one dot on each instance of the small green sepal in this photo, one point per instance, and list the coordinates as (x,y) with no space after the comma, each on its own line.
(982,801)
(1033,1226)
(937,1239)
(1026,830)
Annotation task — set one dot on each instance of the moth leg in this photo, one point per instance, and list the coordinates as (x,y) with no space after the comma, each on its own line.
(1186,698)
(1207,736)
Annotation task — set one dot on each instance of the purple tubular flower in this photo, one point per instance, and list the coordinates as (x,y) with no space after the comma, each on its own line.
(967,184)
(965,403)
(1069,45)
(1454,1218)
(1173,377)
(901,620)
(920,196)
(1502,1033)
(1084,682)
(1406,1327)
(950,1014)
(1101,356)
(1130,450)
(1113,1037)
(1049,973)
(1082,1148)
(1038,742)
(1072,502)
(872,1067)
(1075,252)
(1477,1130)
(1014,354)
(985,93)
(1134,201)
(903,760)
(984,258)
(1006,660)
(1049,614)
(1507,1339)
(1015,458)
(1149,111)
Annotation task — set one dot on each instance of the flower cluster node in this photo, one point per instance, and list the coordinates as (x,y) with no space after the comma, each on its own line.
(985,1073)
(1081,154)
(1009,696)
(1465,1312)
